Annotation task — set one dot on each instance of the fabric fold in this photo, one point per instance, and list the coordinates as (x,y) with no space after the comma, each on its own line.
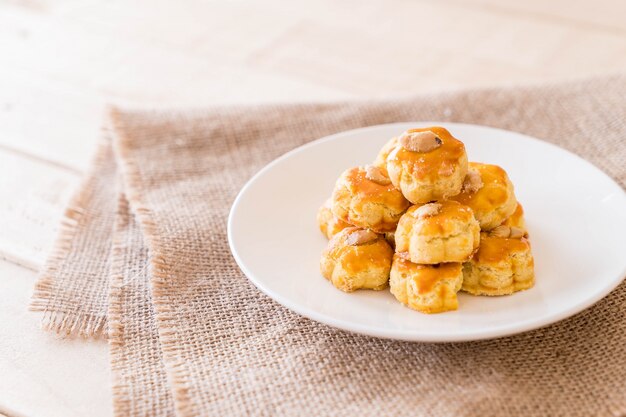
(72,288)
(190,335)
(140,386)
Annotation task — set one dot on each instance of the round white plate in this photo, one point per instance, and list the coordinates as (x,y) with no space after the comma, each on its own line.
(576,216)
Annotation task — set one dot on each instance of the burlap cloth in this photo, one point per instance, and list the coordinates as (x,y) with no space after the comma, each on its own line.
(190,336)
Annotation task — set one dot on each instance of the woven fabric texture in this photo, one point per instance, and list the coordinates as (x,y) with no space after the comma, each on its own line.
(190,335)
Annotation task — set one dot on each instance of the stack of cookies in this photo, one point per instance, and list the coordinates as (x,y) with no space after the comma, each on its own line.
(424,221)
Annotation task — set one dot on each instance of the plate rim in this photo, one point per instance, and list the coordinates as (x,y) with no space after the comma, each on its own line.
(413,336)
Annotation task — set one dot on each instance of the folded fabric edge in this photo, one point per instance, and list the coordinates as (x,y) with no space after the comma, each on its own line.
(69,323)
(131,178)
(120,389)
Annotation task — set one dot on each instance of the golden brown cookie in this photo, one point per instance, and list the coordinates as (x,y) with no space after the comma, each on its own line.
(425,288)
(328,223)
(391,238)
(427,164)
(503,264)
(381,158)
(357,258)
(488,191)
(517,219)
(444,231)
(366,198)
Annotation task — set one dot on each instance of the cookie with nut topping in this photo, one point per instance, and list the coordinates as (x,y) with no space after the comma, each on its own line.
(502,265)
(425,288)
(432,233)
(427,164)
(357,259)
(488,191)
(328,223)
(366,198)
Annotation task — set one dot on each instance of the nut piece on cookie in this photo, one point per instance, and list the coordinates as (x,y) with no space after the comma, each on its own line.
(427,164)
(502,265)
(328,223)
(365,197)
(425,288)
(445,231)
(357,259)
(488,191)
(507,232)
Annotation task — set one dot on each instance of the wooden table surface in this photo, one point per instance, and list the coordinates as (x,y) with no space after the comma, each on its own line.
(62,60)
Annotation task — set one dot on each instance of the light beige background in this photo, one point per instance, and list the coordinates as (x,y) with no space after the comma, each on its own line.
(62,60)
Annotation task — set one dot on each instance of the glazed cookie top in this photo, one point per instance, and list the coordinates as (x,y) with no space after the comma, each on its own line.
(428,152)
(426,276)
(485,188)
(495,249)
(360,249)
(517,218)
(434,219)
(371,183)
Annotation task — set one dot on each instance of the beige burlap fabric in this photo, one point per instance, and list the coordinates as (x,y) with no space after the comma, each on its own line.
(190,335)
(133,334)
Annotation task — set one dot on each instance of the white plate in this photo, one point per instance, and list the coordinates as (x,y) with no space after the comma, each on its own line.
(576,216)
